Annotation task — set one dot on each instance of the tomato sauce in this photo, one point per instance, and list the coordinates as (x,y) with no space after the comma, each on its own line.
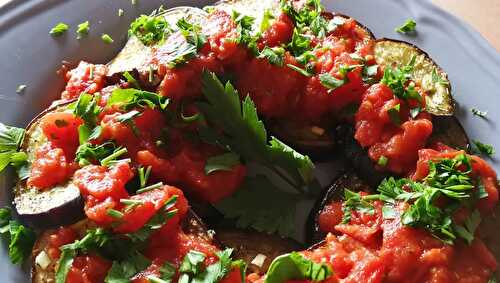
(480,169)
(373,249)
(86,77)
(377,131)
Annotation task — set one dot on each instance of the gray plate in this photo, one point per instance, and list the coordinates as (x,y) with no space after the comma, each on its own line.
(30,56)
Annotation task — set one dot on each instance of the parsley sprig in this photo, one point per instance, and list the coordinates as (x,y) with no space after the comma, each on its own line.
(244,134)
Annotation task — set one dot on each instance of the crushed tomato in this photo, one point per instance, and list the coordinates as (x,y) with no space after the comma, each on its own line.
(373,249)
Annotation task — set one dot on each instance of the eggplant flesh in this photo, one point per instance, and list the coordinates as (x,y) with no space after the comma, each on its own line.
(135,56)
(56,206)
(426,73)
(334,192)
(257,249)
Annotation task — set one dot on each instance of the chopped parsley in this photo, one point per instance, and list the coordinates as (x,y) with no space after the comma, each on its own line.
(82,30)
(479,113)
(483,148)
(448,182)
(397,79)
(106,38)
(150,29)
(59,29)
(330,82)
(355,202)
(275,55)
(123,249)
(408,27)
(382,161)
(21,88)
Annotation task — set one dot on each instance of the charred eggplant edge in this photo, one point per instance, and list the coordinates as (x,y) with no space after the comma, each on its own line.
(436,105)
(68,210)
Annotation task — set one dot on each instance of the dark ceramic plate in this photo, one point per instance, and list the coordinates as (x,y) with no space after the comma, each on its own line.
(28,55)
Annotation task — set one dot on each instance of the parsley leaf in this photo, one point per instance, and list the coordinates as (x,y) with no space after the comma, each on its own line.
(131,98)
(330,82)
(470,225)
(355,202)
(21,238)
(94,239)
(244,134)
(192,262)
(274,213)
(82,29)
(11,139)
(294,266)
(275,55)
(150,29)
(244,24)
(409,26)
(122,271)
(483,148)
(59,29)
(301,71)
(88,153)
(223,162)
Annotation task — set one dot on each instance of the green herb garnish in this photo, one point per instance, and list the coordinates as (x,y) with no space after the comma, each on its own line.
(82,29)
(409,26)
(106,38)
(59,29)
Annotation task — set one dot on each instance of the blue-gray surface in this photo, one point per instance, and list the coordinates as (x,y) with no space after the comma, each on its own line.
(28,55)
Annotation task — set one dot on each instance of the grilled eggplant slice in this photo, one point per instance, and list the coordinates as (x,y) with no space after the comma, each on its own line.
(446,129)
(60,205)
(257,249)
(431,78)
(349,180)
(43,268)
(136,56)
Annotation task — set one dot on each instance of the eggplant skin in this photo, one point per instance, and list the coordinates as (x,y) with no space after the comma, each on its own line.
(335,192)
(60,205)
(192,225)
(357,156)
(439,101)
(448,130)
(248,244)
(301,138)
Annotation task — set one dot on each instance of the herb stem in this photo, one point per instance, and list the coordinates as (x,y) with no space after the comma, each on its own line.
(114,155)
(149,188)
